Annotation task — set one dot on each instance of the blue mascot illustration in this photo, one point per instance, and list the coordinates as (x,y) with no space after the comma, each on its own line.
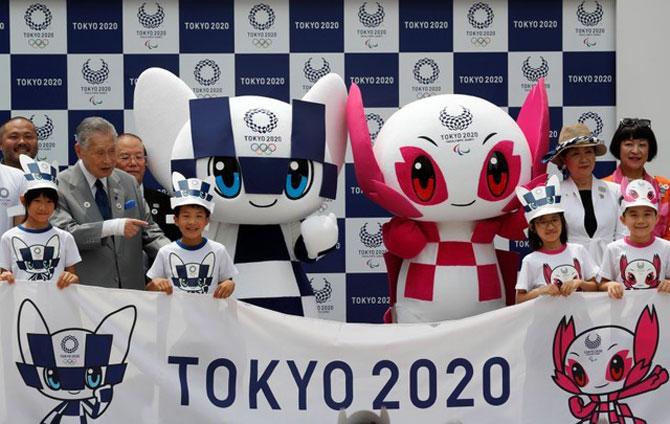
(273,164)
(75,366)
(193,277)
(38,260)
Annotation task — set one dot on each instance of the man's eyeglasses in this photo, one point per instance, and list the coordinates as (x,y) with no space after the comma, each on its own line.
(635,122)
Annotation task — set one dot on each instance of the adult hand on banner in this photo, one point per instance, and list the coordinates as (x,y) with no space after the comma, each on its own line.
(664,286)
(160,284)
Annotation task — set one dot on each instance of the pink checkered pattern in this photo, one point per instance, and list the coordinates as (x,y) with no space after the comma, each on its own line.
(457,274)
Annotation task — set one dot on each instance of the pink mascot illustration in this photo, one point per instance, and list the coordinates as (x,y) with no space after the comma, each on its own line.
(446,167)
(603,365)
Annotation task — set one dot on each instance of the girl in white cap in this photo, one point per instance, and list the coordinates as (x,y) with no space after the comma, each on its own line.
(641,260)
(34,250)
(555,267)
(192,264)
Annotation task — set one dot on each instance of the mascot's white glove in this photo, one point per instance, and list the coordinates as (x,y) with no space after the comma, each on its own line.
(319,233)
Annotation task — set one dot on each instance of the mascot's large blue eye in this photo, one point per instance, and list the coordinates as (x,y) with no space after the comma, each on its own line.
(52,378)
(298,178)
(93,377)
(226,171)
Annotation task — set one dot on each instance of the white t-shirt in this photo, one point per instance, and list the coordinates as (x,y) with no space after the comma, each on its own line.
(11,181)
(197,269)
(543,267)
(37,255)
(637,266)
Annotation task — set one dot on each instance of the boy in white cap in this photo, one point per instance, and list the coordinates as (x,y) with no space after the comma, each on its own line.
(640,260)
(555,267)
(34,250)
(192,264)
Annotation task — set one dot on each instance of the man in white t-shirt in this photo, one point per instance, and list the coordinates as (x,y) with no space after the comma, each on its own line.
(11,180)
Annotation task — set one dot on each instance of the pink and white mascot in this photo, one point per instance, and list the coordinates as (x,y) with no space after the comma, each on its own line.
(446,167)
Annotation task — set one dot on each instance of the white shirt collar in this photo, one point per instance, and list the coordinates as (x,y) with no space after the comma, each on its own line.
(90,178)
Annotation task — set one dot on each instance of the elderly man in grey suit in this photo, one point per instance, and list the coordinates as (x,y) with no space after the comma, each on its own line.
(104,210)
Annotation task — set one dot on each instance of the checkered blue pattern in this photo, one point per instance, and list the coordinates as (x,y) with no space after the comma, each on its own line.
(70,59)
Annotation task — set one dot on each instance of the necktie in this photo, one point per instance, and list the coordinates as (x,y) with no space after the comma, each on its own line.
(102,201)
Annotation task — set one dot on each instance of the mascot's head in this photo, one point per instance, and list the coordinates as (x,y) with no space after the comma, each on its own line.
(272,162)
(73,362)
(449,157)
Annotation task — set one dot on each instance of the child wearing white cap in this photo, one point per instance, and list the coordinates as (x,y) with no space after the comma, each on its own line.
(640,260)
(192,264)
(34,250)
(555,267)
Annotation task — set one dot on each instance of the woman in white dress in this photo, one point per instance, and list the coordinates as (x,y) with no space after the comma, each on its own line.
(591,205)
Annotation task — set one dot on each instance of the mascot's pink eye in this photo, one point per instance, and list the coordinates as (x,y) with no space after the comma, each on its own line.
(633,194)
(578,374)
(619,366)
(423,178)
(500,172)
(650,195)
(497,174)
(420,178)
(616,367)
(630,277)
(650,277)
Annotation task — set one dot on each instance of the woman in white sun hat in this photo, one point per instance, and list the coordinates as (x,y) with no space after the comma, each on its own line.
(591,205)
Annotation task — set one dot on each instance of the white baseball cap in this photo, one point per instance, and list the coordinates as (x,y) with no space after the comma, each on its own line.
(38,174)
(541,200)
(638,193)
(191,191)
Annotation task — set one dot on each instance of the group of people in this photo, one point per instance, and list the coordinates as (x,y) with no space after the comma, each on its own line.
(93,222)
(96,223)
(589,234)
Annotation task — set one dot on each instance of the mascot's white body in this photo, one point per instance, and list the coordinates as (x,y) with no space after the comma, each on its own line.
(446,167)
(273,164)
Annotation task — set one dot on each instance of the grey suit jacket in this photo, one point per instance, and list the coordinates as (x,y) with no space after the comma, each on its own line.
(111,261)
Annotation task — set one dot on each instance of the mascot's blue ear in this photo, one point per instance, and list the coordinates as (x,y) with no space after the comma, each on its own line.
(161,111)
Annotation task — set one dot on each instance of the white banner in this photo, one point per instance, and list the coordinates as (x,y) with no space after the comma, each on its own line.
(125,356)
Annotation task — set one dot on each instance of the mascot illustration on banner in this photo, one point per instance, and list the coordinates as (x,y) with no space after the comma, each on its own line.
(447,167)
(273,165)
(603,365)
(75,366)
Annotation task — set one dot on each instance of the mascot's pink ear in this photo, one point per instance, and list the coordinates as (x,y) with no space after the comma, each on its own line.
(367,169)
(534,122)
(646,335)
(565,334)
(368,173)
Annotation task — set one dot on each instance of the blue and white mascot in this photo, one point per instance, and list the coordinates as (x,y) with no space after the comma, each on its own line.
(274,164)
